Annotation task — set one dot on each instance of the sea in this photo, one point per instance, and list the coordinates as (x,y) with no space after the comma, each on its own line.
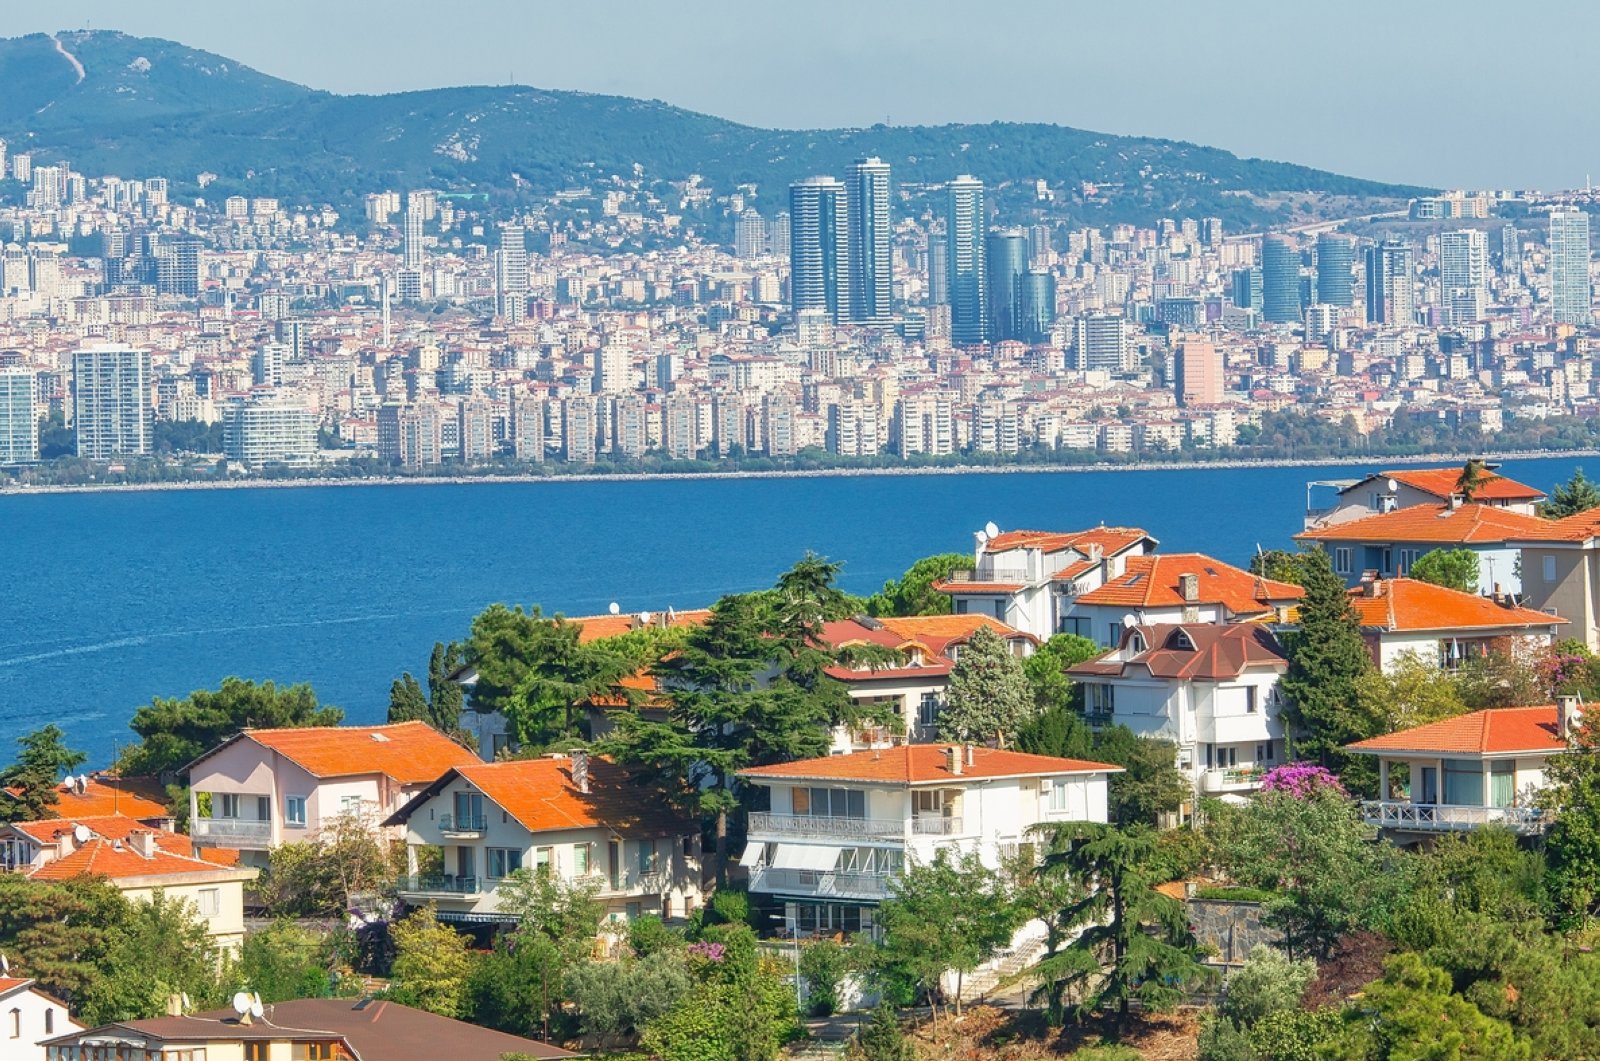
(110,599)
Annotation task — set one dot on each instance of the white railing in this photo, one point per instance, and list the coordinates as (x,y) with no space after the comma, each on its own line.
(936,826)
(655,882)
(1445,817)
(1001,575)
(232,832)
(826,884)
(1230,780)
(806,825)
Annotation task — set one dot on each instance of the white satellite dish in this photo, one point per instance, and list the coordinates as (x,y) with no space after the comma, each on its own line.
(5,965)
(256,1008)
(1130,620)
(614,608)
(241,1003)
(81,833)
(644,618)
(1394,487)
(983,537)
(991,530)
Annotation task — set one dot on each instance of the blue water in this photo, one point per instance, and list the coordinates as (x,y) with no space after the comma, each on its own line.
(111,599)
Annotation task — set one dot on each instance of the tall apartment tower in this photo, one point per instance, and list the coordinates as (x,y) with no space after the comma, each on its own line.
(1510,251)
(819,276)
(1007,252)
(938,271)
(1101,343)
(1391,269)
(1038,306)
(1463,264)
(750,235)
(19,416)
(111,410)
(511,272)
(1280,280)
(1569,267)
(1336,270)
(411,236)
(871,254)
(1197,373)
(966,274)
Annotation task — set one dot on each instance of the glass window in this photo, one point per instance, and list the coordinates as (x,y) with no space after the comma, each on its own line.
(800,800)
(1502,784)
(928,710)
(16,1023)
(504,861)
(1056,796)
(469,809)
(227,804)
(1463,783)
(350,805)
(543,859)
(1549,565)
(580,859)
(648,859)
(263,808)
(294,810)
(210,900)
(1250,692)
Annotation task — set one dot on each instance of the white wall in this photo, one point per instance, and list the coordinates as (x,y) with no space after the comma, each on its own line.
(26,1011)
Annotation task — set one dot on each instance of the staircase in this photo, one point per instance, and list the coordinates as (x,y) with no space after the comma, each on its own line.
(1026,949)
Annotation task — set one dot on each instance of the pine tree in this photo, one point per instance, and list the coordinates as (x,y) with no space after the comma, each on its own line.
(43,757)
(1327,657)
(1575,495)
(406,702)
(989,692)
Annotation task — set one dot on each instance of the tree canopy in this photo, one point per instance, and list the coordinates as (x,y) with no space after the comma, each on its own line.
(43,758)
(1327,657)
(913,593)
(1575,495)
(989,696)
(1455,569)
(175,732)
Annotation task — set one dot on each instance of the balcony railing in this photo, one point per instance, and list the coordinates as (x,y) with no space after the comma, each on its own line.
(232,832)
(933,826)
(828,884)
(463,824)
(807,825)
(653,882)
(1004,575)
(1231,780)
(431,884)
(1445,817)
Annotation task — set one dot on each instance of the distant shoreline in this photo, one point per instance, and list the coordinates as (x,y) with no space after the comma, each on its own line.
(809,473)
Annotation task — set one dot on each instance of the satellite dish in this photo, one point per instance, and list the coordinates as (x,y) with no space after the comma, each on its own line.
(644,618)
(256,1009)
(991,530)
(614,608)
(1130,620)
(1394,487)
(241,1003)
(81,833)
(983,537)
(5,965)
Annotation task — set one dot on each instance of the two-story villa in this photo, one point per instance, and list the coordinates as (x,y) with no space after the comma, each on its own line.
(1175,588)
(842,827)
(577,817)
(1021,577)
(1444,626)
(1561,572)
(265,787)
(1392,491)
(1210,689)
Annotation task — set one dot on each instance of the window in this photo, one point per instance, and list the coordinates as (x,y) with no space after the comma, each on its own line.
(961,605)
(312,1052)
(16,1024)
(1099,699)
(227,804)
(504,861)
(928,710)
(1055,796)
(350,806)
(648,858)
(543,860)
(1341,560)
(49,1021)
(210,901)
(1000,610)
(1549,566)
(263,808)
(1227,758)
(469,809)
(1113,635)
(1250,693)
(928,803)
(829,802)
(294,811)
(580,860)
(256,1050)
(499,742)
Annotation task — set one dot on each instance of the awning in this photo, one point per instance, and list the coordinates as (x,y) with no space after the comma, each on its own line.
(806,856)
(752,852)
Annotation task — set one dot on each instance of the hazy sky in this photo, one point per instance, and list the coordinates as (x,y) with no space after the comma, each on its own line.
(1467,93)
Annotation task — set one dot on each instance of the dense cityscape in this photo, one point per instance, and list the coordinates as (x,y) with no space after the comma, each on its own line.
(253,336)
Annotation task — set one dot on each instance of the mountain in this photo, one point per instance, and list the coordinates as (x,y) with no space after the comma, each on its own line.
(111,103)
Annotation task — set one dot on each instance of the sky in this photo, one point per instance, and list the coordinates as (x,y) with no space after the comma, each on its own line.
(1466,94)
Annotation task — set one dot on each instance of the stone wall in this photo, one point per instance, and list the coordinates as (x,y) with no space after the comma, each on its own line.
(1230,929)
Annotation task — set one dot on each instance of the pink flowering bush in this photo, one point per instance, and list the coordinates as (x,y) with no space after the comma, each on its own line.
(1301,780)
(708,952)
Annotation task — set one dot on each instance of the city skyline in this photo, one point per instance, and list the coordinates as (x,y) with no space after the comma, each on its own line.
(882,73)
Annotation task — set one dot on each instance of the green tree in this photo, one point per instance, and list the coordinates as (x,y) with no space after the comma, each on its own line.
(618,999)
(989,696)
(520,988)
(1150,785)
(406,700)
(319,878)
(948,915)
(175,732)
(1411,1015)
(1575,495)
(1455,569)
(1057,731)
(286,961)
(159,948)
(1474,473)
(1268,984)
(741,1008)
(913,593)
(1134,943)
(1046,669)
(824,964)
(1411,692)
(43,758)
(1572,844)
(881,1039)
(1327,657)
(60,933)
(432,965)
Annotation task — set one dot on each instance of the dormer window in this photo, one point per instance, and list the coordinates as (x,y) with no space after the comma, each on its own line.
(1180,641)
(1136,643)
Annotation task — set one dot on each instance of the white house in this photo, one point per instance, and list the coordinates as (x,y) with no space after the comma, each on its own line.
(1210,689)
(1391,491)
(1445,626)
(842,827)
(1476,769)
(28,1017)
(265,787)
(577,817)
(1173,588)
(1018,576)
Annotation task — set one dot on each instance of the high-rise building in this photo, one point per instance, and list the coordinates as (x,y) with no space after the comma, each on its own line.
(1570,294)
(869,243)
(778,234)
(819,257)
(1510,251)
(1280,280)
(1197,373)
(269,430)
(967,275)
(1211,231)
(614,369)
(511,272)
(578,430)
(111,411)
(1336,270)
(938,271)
(475,430)
(1007,252)
(1038,306)
(19,416)
(1391,278)
(1463,269)
(411,235)
(1245,287)
(1101,343)
(178,267)
(750,234)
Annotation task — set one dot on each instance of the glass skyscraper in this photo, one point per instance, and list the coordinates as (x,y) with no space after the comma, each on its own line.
(1569,267)
(1391,270)
(819,276)
(871,278)
(19,418)
(1007,265)
(1336,270)
(1280,280)
(967,276)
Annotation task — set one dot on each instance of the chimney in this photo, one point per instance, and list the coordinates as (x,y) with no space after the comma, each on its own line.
(1372,588)
(953,755)
(969,754)
(1189,588)
(1455,501)
(143,842)
(580,770)
(1569,713)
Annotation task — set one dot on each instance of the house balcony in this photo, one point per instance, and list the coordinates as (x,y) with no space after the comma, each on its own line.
(434,886)
(986,575)
(250,833)
(653,882)
(761,823)
(1450,818)
(936,826)
(1218,782)
(872,887)
(462,825)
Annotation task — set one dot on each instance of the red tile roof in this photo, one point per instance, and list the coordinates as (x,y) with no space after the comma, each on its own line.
(1205,651)
(598,627)
(410,752)
(1497,731)
(1435,525)
(108,796)
(921,764)
(1111,540)
(1578,527)
(9,984)
(1441,483)
(118,860)
(1153,582)
(954,586)
(1400,604)
(939,632)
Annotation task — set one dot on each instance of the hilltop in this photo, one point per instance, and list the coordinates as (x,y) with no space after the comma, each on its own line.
(140,106)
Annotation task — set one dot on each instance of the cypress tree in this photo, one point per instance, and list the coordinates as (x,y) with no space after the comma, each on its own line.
(1326,658)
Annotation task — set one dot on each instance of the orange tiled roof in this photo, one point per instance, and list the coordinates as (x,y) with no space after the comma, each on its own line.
(1435,525)
(1441,483)
(116,860)
(598,627)
(949,586)
(540,794)
(1409,604)
(1213,652)
(1578,527)
(1496,731)
(1153,582)
(410,752)
(920,764)
(1111,540)
(107,796)
(938,632)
